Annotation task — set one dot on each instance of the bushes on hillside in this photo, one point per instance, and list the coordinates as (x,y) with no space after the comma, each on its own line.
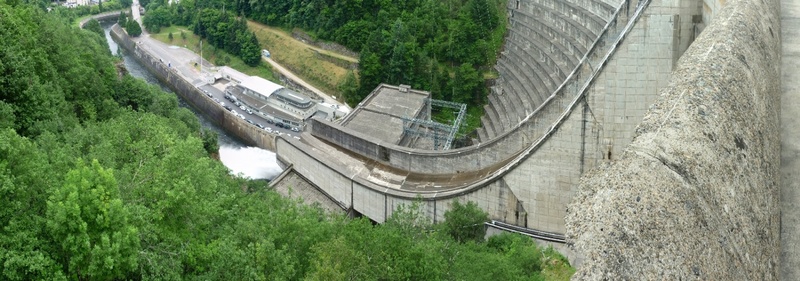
(133,28)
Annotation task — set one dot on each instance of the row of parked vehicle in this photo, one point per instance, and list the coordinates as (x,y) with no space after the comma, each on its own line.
(236,102)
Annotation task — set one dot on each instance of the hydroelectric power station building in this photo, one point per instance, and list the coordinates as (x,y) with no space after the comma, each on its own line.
(274,102)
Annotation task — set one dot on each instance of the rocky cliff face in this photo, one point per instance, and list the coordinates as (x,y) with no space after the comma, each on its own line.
(696,194)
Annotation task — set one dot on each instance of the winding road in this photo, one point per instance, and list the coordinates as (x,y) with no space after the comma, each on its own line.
(293,77)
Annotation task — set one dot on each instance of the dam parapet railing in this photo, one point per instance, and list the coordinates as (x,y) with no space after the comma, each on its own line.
(509,148)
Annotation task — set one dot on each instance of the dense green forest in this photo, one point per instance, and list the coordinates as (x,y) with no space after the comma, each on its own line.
(444,47)
(435,45)
(223,29)
(103,177)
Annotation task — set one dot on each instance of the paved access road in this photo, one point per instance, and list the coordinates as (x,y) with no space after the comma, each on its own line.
(790,140)
(287,73)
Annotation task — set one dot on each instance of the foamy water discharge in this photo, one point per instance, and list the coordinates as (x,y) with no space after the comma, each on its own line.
(250,162)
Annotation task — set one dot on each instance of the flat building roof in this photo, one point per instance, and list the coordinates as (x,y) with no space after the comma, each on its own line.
(260,85)
(380,114)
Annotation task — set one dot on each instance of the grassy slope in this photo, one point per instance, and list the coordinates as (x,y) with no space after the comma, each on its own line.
(304,60)
(555,266)
(211,53)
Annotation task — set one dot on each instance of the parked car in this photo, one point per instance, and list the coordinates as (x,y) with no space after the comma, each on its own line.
(249,121)
(279,125)
(295,129)
(249,111)
(228,108)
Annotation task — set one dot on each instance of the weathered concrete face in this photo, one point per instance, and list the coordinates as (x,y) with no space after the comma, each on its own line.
(695,195)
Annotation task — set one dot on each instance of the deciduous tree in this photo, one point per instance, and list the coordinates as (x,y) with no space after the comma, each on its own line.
(133,28)
(89,224)
(464,222)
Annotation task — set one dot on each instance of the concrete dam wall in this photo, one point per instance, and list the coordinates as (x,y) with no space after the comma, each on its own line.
(527,170)
(696,193)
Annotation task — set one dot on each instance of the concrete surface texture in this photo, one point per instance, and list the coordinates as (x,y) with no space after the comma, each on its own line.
(696,194)
(381,113)
(790,140)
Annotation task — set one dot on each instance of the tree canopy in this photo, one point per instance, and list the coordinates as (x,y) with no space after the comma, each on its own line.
(223,29)
(133,28)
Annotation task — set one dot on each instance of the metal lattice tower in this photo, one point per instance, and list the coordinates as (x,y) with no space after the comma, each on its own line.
(411,126)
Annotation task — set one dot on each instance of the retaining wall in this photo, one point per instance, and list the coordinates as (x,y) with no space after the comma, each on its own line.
(696,193)
(250,134)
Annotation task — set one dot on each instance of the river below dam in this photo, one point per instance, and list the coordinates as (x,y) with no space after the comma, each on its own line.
(246,161)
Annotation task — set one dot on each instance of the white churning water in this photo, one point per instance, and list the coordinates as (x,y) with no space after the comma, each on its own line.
(250,162)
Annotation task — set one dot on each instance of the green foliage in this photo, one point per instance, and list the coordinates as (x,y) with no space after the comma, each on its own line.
(157,16)
(133,28)
(210,142)
(226,32)
(464,222)
(519,249)
(90,225)
(337,260)
(123,19)
(94,26)
(349,85)
(467,86)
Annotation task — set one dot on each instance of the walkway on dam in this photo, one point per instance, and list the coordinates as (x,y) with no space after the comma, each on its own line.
(790,140)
